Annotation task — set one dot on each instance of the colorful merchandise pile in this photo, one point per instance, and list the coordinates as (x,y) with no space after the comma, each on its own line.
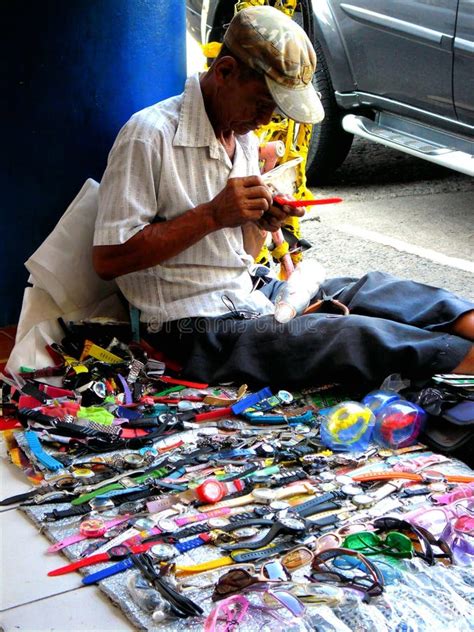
(197,507)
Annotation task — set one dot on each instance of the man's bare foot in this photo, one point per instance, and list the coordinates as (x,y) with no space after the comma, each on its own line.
(464,326)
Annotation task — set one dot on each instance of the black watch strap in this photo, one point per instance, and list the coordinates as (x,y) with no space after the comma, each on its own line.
(270,551)
(249,522)
(312,506)
(59,514)
(327,521)
(277,528)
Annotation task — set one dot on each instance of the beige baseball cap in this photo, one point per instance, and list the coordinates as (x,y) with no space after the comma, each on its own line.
(269,41)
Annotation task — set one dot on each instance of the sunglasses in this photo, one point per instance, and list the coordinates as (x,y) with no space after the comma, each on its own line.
(423,541)
(230,612)
(238,580)
(394,544)
(362,576)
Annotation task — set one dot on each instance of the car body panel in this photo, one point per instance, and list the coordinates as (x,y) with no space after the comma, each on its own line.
(401,50)
(463,79)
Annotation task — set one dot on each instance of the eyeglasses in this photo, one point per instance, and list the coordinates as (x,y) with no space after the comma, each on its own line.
(334,539)
(423,541)
(229,613)
(365,577)
(394,544)
(296,558)
(236,581)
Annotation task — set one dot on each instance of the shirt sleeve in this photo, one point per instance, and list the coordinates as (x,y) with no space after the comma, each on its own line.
(128,191)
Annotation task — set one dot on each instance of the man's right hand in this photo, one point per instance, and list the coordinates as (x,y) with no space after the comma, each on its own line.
(242,200)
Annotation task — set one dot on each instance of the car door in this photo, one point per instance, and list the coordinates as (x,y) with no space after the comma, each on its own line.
(464,63)
(401,49)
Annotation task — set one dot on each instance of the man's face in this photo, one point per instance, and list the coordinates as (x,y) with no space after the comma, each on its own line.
(248,105)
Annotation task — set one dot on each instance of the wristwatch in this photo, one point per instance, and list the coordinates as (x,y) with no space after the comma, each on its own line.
(263,495)
(283,526)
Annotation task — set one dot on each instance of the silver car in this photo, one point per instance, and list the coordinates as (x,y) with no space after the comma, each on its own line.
(396,72)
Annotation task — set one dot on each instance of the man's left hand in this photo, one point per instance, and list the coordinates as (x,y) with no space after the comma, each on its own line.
(276,216)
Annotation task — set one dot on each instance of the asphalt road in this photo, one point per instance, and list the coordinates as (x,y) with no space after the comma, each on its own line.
(400,215)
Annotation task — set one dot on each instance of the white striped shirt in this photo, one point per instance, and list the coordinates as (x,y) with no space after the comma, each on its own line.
(165,161)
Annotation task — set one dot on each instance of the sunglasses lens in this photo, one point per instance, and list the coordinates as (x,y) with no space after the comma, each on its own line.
(328,541)
(274,570)
(297,558)
(234,581)
(278,598)
(361,541)
(399,542)
(465,524)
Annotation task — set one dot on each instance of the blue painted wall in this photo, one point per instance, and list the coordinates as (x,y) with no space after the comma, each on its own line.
(74,71)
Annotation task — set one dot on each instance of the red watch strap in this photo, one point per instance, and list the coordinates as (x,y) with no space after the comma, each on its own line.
(92,559)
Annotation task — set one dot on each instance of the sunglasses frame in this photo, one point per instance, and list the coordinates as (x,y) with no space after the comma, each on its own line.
(320,559)
(425,538)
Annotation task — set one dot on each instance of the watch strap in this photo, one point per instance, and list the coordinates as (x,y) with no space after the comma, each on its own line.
(231,502)
(257,544)
(269,551)
(321,523)
(206,566)
(77,537)
(304,509)
(214,513)
(59,514)
(87,561)
(319,508)
(249,522)
(189,545)
(108,572)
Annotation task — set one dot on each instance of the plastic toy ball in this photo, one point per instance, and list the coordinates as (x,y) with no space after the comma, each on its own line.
(398,424)
(347,426)
(376,399)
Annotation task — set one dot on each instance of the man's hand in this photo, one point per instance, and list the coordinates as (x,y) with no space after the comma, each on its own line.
(276,216)
(242,200)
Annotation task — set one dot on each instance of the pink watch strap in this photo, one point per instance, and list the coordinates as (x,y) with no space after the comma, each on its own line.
(214,513)
(77,537)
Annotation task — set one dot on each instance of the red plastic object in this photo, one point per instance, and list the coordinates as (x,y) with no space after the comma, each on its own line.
(211,491)
(296,203)
(214,414)
(172,380)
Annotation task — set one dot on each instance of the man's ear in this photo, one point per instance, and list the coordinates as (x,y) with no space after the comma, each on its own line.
(225,68)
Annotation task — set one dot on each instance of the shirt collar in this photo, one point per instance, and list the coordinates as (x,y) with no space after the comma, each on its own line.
(194,128)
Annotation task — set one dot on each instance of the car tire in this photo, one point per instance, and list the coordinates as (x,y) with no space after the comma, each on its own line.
(329,144)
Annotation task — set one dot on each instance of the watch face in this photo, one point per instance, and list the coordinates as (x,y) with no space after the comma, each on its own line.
(167,525)
(118,551)
(279,505)
(135,460)
(263,495)
(293,523)
(352,490)
(101,504)
(144,523)
(362,500)
(285,397)
(343,479)
(245,532)
(162,552)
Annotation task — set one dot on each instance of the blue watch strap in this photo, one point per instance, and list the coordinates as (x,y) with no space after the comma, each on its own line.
(40,454)
(189,545)
(108,572)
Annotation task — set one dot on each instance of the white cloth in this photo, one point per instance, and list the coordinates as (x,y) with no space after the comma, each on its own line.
(165,161)
(64,284)
(62,265)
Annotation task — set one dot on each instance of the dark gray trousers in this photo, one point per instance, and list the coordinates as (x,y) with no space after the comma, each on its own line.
(395,326)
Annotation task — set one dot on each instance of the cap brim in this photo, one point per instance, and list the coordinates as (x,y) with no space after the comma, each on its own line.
(303,105)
